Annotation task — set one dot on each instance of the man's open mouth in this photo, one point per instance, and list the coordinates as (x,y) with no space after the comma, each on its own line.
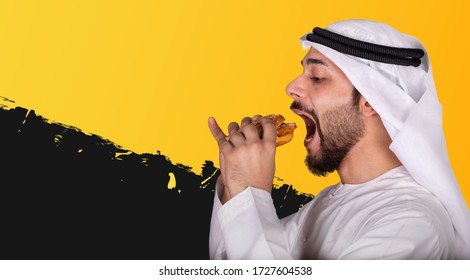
(309,123)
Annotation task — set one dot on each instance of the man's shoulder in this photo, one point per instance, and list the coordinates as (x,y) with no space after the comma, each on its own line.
(402,198)
(401,185)
(398,196)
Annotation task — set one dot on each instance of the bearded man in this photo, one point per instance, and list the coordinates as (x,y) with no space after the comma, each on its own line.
(369,103)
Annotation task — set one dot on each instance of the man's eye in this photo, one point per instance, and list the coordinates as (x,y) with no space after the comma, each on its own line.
(316,79)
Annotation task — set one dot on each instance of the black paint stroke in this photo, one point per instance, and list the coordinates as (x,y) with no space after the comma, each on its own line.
(68,195)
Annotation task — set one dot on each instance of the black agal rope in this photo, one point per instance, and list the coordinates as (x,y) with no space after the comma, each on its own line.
(370,51)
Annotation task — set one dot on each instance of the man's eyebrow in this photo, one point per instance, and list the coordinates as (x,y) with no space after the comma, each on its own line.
(314,61)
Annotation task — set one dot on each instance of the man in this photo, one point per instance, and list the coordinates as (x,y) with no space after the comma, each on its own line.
(368,100)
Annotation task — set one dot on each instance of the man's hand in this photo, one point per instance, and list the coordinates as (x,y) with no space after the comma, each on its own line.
(245,159)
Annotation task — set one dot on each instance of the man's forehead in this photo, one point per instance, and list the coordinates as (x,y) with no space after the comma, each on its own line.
(314,57)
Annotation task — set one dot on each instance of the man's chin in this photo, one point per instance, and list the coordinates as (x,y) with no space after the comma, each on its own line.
(317,167)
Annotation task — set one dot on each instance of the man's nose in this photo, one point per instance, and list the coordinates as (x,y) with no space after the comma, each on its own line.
(296,89)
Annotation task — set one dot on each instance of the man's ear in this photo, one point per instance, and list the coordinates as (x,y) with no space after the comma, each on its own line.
(365,108)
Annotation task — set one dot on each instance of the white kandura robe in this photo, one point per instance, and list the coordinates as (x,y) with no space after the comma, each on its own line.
(389,217)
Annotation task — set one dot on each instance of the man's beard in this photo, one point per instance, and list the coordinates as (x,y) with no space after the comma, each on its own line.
(340,129)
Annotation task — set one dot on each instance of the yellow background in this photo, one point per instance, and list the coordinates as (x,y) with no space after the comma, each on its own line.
(147,74)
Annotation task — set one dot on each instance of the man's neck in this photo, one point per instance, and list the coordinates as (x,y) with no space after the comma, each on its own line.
(367,160)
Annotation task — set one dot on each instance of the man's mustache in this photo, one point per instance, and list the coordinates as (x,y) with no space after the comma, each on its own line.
(298,106)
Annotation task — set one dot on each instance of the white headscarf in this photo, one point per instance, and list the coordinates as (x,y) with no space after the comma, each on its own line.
(406,100)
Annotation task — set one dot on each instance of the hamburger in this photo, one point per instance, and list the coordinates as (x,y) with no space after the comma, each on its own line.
(285,131)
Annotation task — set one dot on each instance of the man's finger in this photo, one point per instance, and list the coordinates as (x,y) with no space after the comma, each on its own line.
(217,132)
(245,121)
(269,129)
(232,128)
(256,117)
